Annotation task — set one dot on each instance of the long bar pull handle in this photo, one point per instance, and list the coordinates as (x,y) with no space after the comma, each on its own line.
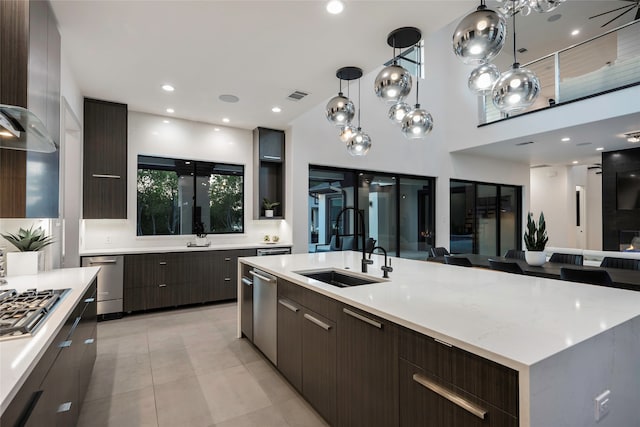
(317,322)
(272,157)
(106,261)
(247,281)
(288,305)
(363,318)
(450,396)
(260,276)
(163,262)
(101,175)
(164,285)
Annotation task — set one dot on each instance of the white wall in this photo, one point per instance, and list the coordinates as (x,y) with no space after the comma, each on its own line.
(181,139)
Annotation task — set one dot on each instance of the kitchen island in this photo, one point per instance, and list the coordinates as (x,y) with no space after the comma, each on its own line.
(567,343)
(60,353)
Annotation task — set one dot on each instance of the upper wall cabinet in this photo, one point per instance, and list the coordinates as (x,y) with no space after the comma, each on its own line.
(269,181)
(105,160)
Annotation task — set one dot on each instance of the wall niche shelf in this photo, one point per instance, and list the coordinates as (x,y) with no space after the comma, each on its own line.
(269,155)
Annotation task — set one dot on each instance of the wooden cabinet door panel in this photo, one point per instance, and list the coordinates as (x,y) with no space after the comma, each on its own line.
(290,341)
(142,271)
(246,315)
(319,364)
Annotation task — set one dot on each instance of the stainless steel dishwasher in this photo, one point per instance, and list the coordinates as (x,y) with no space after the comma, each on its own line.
(265,300)
(110,283)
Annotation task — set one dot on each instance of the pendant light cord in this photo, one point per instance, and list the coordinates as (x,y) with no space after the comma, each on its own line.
(359,103)
(515,61)
(418,73)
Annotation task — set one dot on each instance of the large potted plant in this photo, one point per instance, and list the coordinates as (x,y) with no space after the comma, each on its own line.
(535,239)
(29,244)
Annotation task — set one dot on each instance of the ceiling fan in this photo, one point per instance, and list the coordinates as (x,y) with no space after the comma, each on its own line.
(633,4)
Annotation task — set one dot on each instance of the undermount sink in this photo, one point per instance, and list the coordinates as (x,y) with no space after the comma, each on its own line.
(338,278)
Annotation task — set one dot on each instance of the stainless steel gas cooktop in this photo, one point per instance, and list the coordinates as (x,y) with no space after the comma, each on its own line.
(21,313)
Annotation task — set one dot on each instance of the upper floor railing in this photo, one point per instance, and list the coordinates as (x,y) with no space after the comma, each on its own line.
(601,64)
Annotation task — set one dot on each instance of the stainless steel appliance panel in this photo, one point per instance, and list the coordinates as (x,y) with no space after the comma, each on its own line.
(110,282)
(265,309)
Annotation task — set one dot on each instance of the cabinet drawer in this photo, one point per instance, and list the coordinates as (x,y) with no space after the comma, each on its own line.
(290,290)
(434,357)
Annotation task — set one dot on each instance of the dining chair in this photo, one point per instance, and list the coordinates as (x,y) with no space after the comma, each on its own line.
(514,254)
(439,252)
(566,258)
(592,277)
(623,263)
(457,260)
(506,266)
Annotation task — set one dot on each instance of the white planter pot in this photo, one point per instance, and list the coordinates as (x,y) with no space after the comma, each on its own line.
(22,263)
(535,258)
(268,213)
(201,241)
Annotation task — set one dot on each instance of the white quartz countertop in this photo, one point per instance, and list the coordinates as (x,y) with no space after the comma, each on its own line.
(18,356)
(515,320)
(181,248)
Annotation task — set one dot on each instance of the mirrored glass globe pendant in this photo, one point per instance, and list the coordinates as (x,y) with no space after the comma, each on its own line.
(517,88)
(393,82)
(359,143)
(398,111)
(480,36)
(347,131)
(340,109)
(418,122)
(483,78)
(544,6)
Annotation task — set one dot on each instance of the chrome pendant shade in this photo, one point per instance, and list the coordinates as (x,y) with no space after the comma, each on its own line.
(483,78)
(340,110)
(392,84)
(480,36)
(398,111)
(417,123)
(516,90)
(346,132)
(359,144)
(544,6)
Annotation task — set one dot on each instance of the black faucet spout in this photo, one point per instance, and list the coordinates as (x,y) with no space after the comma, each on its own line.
(358,218)
(386,269)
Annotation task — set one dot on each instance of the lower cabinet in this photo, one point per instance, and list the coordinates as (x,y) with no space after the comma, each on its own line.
(53,393)
(246,315)
(290,341)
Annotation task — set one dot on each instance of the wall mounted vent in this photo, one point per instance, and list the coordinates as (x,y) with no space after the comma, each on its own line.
(539,166)
(524,143)
(297,95)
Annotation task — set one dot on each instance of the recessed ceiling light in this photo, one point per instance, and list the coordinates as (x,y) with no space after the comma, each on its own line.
(229,98)
(170,110)
(575,32)
(575,162)
(335,7)
(216,129)
(276,109)
(599,148)
(165,121)
(168,88)
(565,139)
(6,133)
(225,120)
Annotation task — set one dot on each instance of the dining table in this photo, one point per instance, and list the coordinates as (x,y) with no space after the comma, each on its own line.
(622,278)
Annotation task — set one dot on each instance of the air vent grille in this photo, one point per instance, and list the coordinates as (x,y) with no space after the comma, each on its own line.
(582,144)
(297,95)
(524,143)
(522,50)
(539,166)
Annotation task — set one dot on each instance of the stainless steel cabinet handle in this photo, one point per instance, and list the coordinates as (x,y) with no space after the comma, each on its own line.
(227,259)
(227,279)
(164,285)
(247,281)
(106,261)
(65,344)
(450,396)
(288,305)
(89,341)
(363,318)
(101,175)
(65,407)
(163,262)
(260,276)
(272,157)
(89,300)
(317,322)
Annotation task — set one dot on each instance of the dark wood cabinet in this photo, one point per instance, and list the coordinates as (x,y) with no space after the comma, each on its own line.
(105,160)
(367,369)
(269,149)
(246,314)
(53,393)
(290,340)
(449,387)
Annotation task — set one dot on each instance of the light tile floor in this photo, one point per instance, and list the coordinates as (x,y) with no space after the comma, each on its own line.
(186,367)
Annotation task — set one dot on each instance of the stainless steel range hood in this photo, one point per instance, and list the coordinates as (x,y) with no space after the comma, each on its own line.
(22,130)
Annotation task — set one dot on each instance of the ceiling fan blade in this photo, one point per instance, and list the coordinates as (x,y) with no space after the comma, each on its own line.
(612,10)
(623,13)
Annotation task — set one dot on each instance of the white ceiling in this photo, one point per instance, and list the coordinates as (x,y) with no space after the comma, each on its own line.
(261,51)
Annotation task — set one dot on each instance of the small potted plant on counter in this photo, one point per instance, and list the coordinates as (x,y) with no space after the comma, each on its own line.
(29,244)
(535,239)
(268,207)
(201,236)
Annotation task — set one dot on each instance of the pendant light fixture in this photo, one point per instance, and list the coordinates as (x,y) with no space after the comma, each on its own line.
(480,36)
(483,78)
(360,142)
(418,122)
(516,89)
(340,109)
(393,82)
(347,130)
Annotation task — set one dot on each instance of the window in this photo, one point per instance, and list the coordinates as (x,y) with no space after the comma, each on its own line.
(484,218)
(175,196)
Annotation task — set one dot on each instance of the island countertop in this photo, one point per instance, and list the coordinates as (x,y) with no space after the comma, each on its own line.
(514,320)
(18,356)
(181,248)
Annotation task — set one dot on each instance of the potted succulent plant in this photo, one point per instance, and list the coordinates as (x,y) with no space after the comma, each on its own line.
(29,243)
(268,207)
(535,239)
(201,236)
